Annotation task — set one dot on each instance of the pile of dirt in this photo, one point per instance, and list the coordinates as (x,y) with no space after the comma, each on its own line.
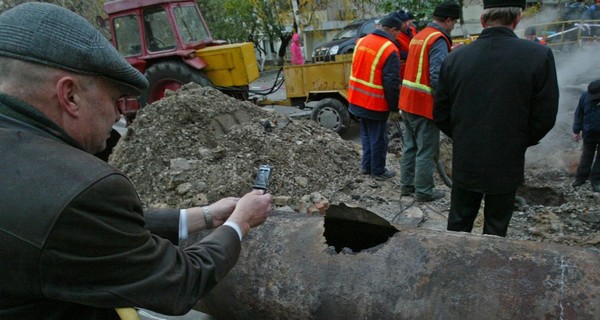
(198,145)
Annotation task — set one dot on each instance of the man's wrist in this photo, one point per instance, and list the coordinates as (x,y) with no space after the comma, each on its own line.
(208,220)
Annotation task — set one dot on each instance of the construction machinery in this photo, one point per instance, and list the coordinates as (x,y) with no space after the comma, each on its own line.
(323,86)
(169,41)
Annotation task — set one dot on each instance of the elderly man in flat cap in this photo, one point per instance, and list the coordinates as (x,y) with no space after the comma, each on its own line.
(427,50)
(373,91)
(496,97)
(74,241)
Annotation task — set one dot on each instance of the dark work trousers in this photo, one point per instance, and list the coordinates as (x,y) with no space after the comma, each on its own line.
(373,135)
(464,206)
(585,169)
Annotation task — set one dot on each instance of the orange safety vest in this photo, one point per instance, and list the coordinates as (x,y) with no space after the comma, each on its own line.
(404,40)
(416,95)
(365,86)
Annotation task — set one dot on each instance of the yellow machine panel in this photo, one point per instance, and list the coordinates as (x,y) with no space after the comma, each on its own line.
(325,76)
(230,65)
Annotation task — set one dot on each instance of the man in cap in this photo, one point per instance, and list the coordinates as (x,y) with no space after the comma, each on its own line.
(587,124)
(531,34)
(74,241)
(373,90)
(404,37)
(496,97)
(428,49)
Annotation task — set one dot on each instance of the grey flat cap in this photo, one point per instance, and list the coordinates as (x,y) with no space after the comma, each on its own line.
(54,36)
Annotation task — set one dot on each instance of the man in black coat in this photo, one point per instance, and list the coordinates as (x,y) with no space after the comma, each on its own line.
(496,97)
(74,240)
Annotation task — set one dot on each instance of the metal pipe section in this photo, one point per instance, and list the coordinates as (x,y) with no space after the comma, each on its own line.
(303,267)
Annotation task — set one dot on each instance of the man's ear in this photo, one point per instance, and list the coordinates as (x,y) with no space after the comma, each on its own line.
(482,21)
(517,21)
(66,89)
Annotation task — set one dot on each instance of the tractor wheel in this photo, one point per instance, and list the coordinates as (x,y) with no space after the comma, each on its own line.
(170,75)
(332,114)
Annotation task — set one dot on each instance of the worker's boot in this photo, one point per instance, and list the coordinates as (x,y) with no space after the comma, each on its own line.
(578,183)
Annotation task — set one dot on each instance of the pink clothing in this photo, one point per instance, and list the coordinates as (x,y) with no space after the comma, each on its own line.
(296,51)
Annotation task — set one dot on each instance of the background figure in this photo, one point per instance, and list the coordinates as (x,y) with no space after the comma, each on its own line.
(296,50)
(74,241)
(411,23)
(373,90)
(404,37)
(422,138)
(574,10)
(531,34)
(587,124)
(592,12)
(496,97)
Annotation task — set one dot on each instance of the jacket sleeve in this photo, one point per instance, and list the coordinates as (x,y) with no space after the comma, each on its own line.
(437,54)
(578,116)
(99,253)
(544,106)
(163,223)
(391,81)
(442,104)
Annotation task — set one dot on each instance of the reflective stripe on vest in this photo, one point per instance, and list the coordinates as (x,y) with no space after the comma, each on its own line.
(416,95)
(365,85)
(371,82)
(418,84)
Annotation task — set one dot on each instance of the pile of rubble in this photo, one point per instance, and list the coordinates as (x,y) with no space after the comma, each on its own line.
(199,145)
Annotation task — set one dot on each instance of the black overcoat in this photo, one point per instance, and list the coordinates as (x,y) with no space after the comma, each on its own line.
(496,97)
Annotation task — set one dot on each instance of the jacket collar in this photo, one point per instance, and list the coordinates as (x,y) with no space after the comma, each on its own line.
(497,31)
(21,112)
(432,24)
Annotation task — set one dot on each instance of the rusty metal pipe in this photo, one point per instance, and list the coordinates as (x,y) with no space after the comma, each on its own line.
(289,271)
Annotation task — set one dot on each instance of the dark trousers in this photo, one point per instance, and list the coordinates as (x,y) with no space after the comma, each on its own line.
(585,169)
(373,135)
(464,206)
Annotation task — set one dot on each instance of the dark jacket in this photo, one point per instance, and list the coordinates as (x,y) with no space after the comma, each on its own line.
(391,82)
(73,242)
(496,97)
(587,118)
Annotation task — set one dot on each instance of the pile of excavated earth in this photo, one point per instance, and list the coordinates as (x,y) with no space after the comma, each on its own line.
(198,145)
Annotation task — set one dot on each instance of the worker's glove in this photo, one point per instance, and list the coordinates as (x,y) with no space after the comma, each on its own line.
(394,116)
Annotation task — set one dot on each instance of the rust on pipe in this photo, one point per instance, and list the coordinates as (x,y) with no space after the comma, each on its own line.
(300,267)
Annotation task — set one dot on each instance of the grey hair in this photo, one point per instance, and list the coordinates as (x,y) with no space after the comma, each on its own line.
(503,16)
(22,79)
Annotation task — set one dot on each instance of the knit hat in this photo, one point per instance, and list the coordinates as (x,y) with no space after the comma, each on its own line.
(447,9)
(54,36)
(503,3)
(594,90)
(394,20)
(530,31)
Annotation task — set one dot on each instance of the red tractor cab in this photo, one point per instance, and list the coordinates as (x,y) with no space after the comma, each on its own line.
(164,39)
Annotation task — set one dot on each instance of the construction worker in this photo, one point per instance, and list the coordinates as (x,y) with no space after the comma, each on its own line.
(404,38)
(531,34)
(74,240)
(495,98)
(411,23)
(422,138)
(586,124)
(373,90)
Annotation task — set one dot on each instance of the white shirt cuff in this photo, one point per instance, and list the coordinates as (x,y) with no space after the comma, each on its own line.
(235,227)
(183,224)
